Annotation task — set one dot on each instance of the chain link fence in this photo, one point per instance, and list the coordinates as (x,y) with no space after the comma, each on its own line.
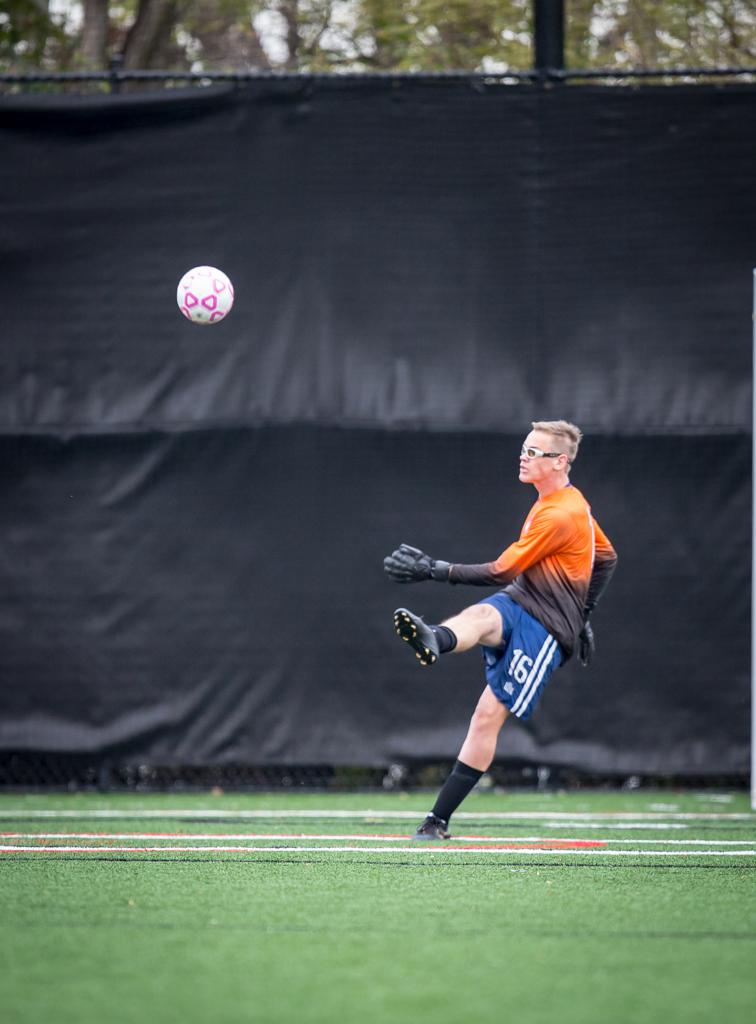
(81,773)
(116,80)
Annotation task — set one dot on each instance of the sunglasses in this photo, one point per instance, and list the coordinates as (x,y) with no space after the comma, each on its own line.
(536,453)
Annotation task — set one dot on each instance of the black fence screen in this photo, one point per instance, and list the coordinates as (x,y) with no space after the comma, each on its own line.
(194,519)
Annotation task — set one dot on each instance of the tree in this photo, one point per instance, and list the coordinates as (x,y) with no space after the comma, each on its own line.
(94,34)
(369,35)
(27,31)
(173,35)
(150,33)
(673,34)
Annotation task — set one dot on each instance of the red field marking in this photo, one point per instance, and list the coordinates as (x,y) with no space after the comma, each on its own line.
(406,850)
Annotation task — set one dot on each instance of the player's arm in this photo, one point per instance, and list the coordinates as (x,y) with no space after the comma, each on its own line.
(604,564)
(549,530)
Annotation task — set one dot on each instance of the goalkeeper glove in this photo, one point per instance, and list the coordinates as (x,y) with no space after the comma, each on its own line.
(410,565)
(586,642)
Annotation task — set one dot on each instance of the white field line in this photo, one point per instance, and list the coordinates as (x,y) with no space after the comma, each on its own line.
(416,849)
(370,815)
(357,837)
(623,826)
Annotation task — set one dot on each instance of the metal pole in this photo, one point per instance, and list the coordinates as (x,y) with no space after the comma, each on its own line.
(753,560)
(114,73)
(548,32)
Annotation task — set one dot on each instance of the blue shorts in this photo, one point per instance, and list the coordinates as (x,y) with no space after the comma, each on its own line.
(519,669)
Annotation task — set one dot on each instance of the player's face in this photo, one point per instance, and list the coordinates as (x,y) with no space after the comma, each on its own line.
(538,469)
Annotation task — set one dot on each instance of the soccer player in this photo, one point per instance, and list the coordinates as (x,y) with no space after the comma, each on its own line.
(552,577)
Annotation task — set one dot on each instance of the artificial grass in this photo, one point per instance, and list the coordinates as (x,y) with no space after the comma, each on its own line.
(330,937)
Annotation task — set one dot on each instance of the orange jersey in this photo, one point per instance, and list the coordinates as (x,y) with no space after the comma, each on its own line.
(559,565)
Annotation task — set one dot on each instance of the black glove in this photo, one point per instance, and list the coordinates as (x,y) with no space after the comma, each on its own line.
(410,565)
(586,644)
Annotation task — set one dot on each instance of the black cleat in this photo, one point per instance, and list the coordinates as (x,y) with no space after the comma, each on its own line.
(420,637)
(432,828)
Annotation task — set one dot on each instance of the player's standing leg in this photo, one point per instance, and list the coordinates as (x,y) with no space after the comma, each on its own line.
(475,757)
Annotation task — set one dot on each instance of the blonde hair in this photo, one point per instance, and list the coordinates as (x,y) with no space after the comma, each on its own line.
(566,433)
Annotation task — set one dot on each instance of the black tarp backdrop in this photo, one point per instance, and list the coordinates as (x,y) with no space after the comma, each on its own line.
(194,519)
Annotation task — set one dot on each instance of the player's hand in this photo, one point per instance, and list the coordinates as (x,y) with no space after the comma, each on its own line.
(586,644)
(411,565)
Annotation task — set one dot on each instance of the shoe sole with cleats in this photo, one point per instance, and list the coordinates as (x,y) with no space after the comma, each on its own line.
(419,636)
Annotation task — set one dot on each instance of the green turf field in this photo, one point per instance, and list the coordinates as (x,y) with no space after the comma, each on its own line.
(608,907)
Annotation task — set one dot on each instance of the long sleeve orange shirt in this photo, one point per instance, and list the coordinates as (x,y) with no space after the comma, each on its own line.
(556,569)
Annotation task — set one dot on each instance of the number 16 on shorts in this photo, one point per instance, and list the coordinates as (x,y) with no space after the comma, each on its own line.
(520,666)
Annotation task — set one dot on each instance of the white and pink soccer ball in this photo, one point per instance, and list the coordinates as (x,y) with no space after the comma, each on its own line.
(205,295)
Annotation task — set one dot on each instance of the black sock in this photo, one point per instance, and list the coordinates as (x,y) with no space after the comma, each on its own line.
(447,638)
(455,789)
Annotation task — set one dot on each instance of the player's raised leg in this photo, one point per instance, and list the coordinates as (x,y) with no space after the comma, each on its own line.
(478,624)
